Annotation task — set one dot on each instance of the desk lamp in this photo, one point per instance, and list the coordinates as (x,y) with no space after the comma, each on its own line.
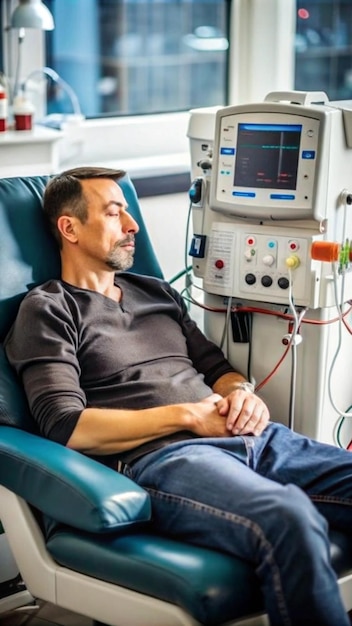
(28,14)
(32,14)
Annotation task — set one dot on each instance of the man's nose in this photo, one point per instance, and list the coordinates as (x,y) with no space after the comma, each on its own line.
(129,224)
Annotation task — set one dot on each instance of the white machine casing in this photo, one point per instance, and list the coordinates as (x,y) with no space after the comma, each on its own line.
(249,238)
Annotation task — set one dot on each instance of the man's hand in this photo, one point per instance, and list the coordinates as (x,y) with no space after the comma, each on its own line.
(245,413)
(205,419)
(239,413)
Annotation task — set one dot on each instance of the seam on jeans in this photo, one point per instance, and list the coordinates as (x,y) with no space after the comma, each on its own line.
(249,445)
(269,558)
(331,499)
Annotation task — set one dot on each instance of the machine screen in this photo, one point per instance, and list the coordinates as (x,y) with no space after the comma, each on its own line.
(265,163)
(267,156)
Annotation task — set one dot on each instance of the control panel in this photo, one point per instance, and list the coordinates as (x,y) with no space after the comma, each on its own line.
(252,263)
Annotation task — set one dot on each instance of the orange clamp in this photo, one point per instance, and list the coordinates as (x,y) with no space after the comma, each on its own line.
(328,251)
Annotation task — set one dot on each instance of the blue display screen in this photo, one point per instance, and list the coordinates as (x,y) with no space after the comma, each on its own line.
(267,156)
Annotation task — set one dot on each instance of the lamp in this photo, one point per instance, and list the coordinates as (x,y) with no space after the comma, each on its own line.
(32,14)
(28,14)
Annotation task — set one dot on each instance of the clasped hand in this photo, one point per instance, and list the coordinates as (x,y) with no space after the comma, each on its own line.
(245,412)
(239,412)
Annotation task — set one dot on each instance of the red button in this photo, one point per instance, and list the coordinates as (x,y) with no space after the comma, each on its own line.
(219,264)
(293,245)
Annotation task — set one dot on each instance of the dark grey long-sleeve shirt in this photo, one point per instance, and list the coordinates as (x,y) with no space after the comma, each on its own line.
(75,348)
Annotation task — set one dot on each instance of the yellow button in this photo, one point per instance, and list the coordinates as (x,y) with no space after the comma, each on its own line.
(293,262)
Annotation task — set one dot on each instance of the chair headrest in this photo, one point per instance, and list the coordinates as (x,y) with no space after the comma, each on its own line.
(29,254)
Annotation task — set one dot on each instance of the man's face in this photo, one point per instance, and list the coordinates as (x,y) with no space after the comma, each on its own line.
(107,236)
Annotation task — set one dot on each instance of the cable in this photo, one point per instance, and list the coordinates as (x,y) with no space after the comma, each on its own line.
(225,329)
(250,346)
(341,320)
(339,342)
(282,358)
(188,225)
(48,71)
(274,370)
(285,316)
(20,39)
(179,275)
(340,424)
(293,377)
(187,268)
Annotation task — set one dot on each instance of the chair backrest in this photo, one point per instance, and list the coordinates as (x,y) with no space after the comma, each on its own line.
(28,253)
(29,256)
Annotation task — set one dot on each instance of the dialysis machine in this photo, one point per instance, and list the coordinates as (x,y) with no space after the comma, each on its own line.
(271,202)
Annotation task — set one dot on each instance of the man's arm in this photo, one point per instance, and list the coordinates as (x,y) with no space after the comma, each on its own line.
(110,431)
(229,411)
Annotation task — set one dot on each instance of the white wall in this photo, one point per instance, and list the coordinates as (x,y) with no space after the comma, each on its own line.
(262,48)
(166,219)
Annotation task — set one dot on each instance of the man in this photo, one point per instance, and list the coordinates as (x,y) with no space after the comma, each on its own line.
(114,367)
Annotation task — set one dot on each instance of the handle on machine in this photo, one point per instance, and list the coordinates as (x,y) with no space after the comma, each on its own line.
(298,97)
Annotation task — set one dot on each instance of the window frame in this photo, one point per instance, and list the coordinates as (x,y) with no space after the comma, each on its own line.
(158,142)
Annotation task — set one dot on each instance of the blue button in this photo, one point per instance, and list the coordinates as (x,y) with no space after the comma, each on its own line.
(244,194)
(308,154)
(227,151)
(282,196)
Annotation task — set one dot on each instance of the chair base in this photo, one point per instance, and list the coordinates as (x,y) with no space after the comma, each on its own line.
(15,599)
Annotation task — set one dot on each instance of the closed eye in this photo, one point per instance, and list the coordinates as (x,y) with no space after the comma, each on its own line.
(114,209)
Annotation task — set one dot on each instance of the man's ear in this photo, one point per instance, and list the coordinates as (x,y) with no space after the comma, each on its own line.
(66,227)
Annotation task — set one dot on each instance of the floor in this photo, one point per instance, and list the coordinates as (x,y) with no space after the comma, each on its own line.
(44,614)
(48,615)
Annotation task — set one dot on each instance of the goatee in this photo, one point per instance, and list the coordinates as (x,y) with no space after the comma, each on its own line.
(119,258)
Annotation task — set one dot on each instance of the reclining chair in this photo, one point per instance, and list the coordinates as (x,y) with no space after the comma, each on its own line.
(102,557)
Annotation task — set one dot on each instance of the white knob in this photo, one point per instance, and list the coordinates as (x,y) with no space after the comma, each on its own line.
(268,259)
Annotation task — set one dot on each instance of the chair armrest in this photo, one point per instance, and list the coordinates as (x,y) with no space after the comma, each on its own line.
(68,486)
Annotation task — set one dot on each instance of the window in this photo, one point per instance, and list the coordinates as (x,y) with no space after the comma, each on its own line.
(324,47)
(139,56)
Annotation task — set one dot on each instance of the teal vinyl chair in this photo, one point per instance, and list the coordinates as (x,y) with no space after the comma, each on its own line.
(100,556)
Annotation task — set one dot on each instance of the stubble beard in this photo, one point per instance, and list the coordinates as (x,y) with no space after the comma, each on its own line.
(120,259)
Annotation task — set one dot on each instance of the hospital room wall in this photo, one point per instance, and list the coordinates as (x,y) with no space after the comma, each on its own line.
(166,219)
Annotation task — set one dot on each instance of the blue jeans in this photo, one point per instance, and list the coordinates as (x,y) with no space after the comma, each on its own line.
(267,499)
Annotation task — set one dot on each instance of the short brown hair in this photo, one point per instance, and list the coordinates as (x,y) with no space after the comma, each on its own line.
(64,193)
